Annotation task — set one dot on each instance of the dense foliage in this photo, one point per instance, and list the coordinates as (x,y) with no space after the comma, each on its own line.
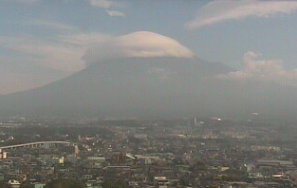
(113,184)
(65,183)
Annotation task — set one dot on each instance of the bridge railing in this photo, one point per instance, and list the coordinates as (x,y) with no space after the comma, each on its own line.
(35,144)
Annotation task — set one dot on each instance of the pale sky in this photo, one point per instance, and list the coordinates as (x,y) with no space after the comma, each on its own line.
(45,40)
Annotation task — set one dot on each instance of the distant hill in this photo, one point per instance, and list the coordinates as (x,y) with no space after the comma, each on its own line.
(153,87)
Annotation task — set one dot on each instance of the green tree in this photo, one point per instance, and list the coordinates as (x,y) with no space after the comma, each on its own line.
(4,185)
(65,183)
(112,184)
(26,185)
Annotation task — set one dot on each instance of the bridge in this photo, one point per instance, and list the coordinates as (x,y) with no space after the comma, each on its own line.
(36,144)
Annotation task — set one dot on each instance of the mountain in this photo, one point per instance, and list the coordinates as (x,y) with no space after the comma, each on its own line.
(152,87)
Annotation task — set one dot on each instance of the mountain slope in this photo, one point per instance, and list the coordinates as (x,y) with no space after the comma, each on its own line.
(154,87)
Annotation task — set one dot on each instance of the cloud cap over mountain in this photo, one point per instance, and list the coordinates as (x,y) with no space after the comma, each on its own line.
(138,44)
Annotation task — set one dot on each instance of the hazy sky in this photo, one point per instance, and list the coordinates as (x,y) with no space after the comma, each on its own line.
(45,40)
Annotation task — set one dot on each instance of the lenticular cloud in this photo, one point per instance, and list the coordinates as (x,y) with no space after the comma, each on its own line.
(139,44)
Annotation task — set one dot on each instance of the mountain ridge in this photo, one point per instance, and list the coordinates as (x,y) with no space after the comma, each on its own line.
(152,87)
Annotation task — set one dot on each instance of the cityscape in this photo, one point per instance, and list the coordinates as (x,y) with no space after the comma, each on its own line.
(189,152)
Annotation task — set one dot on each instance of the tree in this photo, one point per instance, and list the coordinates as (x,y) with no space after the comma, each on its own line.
(4,185)
(26,185)
(112,184)
(65,183)
(199,166)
